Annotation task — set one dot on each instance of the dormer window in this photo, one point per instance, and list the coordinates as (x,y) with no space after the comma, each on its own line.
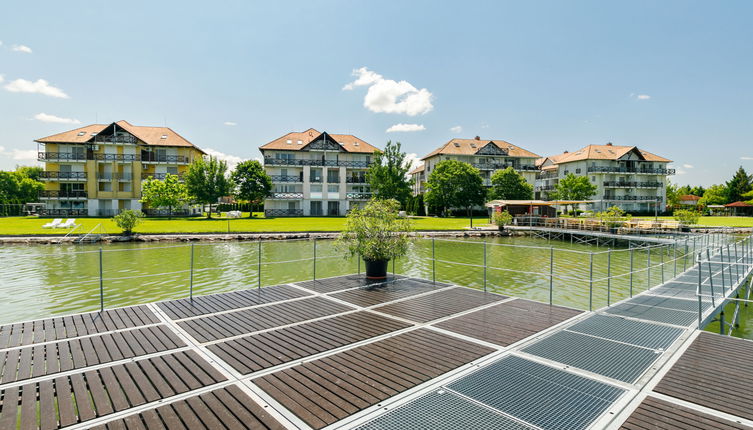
(81,133)
(300,142)
(289,142)
(164,136)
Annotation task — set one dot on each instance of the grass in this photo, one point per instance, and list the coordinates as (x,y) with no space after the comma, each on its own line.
(720,221)
(19,226)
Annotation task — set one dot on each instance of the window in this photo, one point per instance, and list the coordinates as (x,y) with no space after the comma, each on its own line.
(78,153)
(283,172)
(163,137)
(105,186)
(300,142)
(289,142)
(333,188)
(81,133)
(333,208)
(577,171)
(593,178)
(125,187)
(283,156)
(316,188)
(316,208)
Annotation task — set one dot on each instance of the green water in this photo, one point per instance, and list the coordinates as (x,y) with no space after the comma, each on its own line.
(38,281)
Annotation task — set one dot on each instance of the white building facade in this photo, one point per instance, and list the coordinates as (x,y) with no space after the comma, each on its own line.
(625,176)
(316,173)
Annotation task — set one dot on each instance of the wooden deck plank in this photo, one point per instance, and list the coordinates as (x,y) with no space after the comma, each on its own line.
(440,304)
(659,414)
(383,293)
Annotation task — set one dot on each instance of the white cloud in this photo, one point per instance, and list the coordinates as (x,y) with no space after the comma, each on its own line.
(643,97)
(231,160)
(27,156)
(230,123)
(456,129)
(21,48)
(406,127)
(413,161)
(746,158)
(39,87)
(2,78)
(688,166)
(388,96)
(56,119)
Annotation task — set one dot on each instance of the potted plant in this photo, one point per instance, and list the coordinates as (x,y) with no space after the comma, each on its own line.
(501,219)
(614,218)
(377,234)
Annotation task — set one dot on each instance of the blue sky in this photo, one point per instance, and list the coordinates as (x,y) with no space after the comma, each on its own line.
(674,78)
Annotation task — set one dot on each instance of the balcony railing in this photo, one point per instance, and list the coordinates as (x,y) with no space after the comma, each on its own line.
(299,162)
(64,212)
(151,157)
(114,139)
(358,196)
(545,187)
(610,169)
(632,198)
(547,175)
(61,156)
(627,184)
(499,166)
(315,179)
(161,176)
(114,176)
(71,176)
(287,178)
(356,179)
(62,194)
(286,196)
(283,212)
(166,212)
(117,157)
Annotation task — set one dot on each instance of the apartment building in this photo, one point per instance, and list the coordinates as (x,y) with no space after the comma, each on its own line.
(625,176)
(486,155)
(316,173)
(97,170)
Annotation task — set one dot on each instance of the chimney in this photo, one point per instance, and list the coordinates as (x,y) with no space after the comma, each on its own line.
(609,143)
(477,138)
(566,152)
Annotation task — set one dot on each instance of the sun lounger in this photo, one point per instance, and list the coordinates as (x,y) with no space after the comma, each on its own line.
(54,224)
(70,222)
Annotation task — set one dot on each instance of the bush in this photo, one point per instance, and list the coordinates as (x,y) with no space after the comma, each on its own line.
(686,216)
(613,216)
(502,218)
(376,232)
(128,220)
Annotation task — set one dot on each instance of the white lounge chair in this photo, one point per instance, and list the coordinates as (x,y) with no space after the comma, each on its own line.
(70,222)
(54,224)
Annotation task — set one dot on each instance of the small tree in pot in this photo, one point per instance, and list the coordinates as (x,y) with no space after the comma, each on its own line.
(501,219)
(377,234)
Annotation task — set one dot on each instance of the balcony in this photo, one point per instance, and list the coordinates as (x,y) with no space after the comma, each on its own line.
(268,161)
(499,166)
(610,169)
(166,212)
(151,157)
(547,175)
(114,177)
(161,176)
(62,194)
(356,179)
(545,188)
(115,139)
(62,176)
(632,198)
(283,212)
(286,196)
(61,156)
(287,178)
(333,179)
(64,212)
(358,196)
(126,158)
(625,184)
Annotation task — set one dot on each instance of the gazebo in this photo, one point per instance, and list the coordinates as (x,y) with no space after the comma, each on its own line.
(740,208)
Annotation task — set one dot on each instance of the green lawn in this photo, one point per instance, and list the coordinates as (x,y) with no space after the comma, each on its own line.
(31,225)
(720,221)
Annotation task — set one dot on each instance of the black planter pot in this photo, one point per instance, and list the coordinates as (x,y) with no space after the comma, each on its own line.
(376,269)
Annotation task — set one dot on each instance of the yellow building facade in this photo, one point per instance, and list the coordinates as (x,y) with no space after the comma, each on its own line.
(97,170)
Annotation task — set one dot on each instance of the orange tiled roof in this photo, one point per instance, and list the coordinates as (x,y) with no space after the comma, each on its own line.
(348,142)
(148,135)
(606,152)
(689,197)
(470,146)
(418,169)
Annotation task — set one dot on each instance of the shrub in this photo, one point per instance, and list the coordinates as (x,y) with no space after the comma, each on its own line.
(613,216)
(501,218)
(128,220)
(686,216)
(376,232)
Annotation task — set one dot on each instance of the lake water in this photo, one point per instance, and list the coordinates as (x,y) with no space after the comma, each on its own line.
(38,281)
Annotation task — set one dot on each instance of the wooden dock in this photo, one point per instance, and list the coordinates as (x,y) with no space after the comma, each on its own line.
(407,353)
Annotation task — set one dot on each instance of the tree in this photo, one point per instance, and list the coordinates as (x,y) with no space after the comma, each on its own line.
(251,182)
(206,181)
(714,195)
(748,197)
(673,194)
(738,185)
(387,175)
(573,187)
(167,193)
(697,191)
(127,220)
(456,184)
(31,172)
(17,188)
(508,184)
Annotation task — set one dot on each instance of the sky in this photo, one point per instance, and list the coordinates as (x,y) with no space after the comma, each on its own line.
(673,77)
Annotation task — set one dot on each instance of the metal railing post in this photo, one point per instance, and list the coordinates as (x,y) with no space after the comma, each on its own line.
(631,272)
(393,267)
(551,275)
(484,264)
(711,277)
(648,259)
(698,292)
(661,262)
(190,277)
(609,277)
(433,262)
(101,284)
(258,265)
(685,256)
(358,259)
(737,266)
(591,283)
(315,259)
(721,262)
(674,258)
